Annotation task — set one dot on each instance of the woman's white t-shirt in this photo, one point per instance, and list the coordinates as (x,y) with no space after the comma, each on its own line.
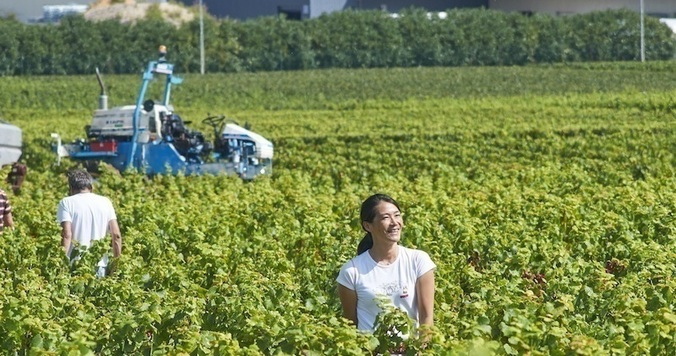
(396,281)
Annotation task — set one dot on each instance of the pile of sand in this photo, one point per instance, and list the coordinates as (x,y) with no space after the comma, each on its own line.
(128,11)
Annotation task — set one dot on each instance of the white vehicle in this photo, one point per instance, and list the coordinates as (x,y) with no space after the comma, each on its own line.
(10,143)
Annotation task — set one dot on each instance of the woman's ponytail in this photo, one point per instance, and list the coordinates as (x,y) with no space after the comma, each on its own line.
(365,244)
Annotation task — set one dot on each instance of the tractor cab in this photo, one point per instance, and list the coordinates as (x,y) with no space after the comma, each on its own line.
(191,144)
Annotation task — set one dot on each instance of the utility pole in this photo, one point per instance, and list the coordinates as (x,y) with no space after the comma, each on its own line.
(642,33)
(202,39)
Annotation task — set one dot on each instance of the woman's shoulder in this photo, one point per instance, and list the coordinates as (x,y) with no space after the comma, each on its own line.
(349,263)
(356,261)
(416,254)
(414,251)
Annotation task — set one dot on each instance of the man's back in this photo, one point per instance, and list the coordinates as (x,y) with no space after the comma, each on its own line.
(86,217)
(89,215)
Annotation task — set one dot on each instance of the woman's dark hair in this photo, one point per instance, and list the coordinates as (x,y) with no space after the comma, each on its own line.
(368,214)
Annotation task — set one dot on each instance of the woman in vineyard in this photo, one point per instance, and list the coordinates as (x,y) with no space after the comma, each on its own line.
(383,268)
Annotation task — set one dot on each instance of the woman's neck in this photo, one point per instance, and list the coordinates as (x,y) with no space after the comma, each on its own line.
(385,255)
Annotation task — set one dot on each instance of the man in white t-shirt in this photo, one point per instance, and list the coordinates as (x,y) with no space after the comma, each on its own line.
(86,217)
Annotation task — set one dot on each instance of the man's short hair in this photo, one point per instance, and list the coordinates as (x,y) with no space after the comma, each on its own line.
(79,180)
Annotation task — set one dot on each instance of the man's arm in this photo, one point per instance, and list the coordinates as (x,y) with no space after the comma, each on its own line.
(348,300)
(66,235)
(425,290)
(116,236)
(8,220)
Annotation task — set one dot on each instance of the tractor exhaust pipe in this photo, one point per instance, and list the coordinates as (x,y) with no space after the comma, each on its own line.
(103,98)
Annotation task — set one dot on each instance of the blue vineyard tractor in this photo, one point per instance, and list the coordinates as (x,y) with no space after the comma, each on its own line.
(152,138)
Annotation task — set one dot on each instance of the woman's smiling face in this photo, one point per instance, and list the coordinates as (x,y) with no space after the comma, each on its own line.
(387,224)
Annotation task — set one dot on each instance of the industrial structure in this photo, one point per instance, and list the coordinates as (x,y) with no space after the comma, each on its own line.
(306,9)
(51,10)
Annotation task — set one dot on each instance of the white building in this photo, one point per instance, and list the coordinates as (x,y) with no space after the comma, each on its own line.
(670,22)
(33,10)
(54,13)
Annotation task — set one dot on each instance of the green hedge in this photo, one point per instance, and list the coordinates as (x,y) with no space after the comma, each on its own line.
(348,39)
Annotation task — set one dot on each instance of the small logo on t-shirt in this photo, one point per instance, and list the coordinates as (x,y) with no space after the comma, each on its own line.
(404,292)
(388,288)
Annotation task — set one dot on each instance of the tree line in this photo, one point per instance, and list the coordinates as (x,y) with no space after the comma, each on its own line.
(347,39)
